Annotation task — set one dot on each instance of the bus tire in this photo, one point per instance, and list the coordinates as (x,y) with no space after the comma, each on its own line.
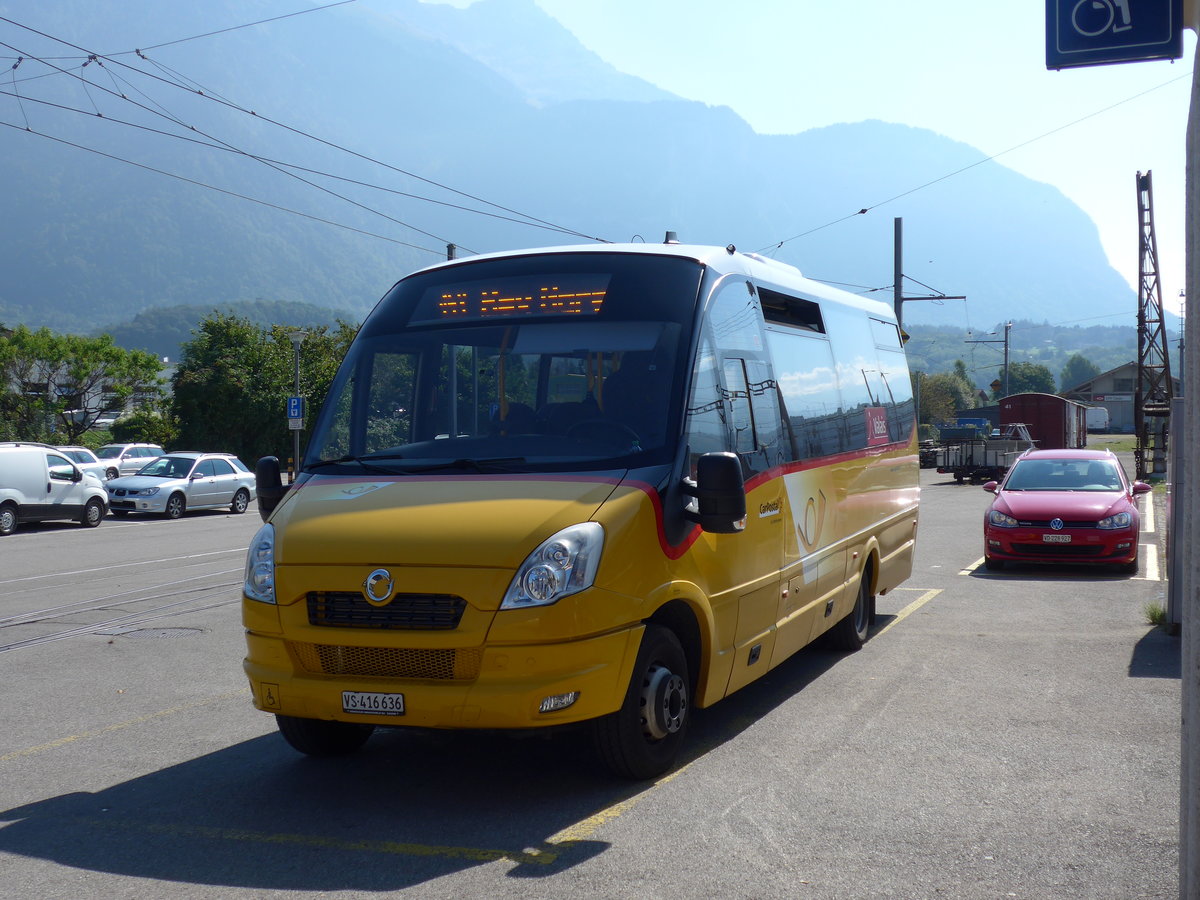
(319,737)
(642,739)
(851,633)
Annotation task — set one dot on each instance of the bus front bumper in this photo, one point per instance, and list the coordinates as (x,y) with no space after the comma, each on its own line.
(512,687)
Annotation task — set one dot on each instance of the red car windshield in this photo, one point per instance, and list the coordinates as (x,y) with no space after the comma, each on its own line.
(1064,475)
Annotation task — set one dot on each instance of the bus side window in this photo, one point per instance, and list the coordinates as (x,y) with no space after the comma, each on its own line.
(738,392)
(751,388)
(707,424)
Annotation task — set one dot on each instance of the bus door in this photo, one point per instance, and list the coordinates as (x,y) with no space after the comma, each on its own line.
(751,560)
(814,552)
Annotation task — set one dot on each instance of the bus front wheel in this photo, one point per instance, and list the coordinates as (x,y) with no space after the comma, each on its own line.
(643,737)
(318,737)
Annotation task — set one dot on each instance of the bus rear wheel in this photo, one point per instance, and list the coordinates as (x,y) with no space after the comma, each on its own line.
(642,739)
(319,737)
(851,633)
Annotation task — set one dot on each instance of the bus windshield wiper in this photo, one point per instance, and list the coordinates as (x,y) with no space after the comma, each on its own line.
(492,464)
(363,461)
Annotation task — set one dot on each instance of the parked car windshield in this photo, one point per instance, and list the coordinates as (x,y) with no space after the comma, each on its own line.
(505,365)
(1064,475)
(168,467)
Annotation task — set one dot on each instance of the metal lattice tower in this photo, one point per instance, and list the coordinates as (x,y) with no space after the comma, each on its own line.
(1152,400)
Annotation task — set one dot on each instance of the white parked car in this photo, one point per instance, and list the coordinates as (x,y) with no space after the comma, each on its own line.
(177,482)
(86,460)
(127,459)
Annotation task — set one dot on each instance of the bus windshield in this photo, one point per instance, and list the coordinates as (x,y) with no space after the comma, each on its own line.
(551,362)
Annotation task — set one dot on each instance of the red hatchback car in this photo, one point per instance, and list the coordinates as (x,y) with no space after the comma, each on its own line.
(1063,506)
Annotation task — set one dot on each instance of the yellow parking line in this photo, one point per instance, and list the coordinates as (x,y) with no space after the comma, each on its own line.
(96,732)
(972,567)
(398,848)
(585,828)
(909,610)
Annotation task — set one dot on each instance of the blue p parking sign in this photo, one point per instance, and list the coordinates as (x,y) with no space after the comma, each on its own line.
(295,407)
(1098,32)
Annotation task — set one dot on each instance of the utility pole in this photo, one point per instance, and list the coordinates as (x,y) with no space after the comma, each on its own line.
(1187,496)
(897,268)
(898,275)
(297,338)
(1152,402)
(1005,342)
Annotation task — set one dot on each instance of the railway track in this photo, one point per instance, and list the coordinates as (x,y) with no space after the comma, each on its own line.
(116,598)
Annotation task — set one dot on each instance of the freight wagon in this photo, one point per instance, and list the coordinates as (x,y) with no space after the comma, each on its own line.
(1054,423)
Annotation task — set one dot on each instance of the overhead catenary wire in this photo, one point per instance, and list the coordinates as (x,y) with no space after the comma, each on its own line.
(230,147)
(866,209)
(211,187)
(299,12)
(524,218)
(211,145)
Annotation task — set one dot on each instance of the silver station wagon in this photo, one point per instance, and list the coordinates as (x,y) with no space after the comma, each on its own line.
(177,482)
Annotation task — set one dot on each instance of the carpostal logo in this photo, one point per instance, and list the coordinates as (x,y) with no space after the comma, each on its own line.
(774,508)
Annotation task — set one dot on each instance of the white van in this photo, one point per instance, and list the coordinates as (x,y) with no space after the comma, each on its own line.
(38,483)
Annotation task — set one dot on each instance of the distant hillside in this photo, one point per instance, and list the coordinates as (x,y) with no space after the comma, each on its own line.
(933,348)
(163,330)
(550,133)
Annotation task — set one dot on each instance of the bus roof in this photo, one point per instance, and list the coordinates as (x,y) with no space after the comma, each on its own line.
(723,260)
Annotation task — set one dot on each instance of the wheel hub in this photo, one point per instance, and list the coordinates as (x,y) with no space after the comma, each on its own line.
(664,702)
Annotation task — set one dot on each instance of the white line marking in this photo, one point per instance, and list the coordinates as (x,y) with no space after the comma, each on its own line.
(146,562)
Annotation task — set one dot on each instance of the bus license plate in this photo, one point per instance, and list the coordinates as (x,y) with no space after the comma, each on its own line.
(1056,538)
(373,704)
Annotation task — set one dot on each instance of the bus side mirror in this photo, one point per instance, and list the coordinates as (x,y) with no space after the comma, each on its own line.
(268,484)
(720,493)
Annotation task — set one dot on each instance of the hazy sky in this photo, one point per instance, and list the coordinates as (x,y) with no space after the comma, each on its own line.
(969,70)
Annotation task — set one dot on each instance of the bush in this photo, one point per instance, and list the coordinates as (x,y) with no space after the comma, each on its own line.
(145,426)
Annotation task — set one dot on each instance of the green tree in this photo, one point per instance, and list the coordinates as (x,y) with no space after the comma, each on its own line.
(149,424)
(234,377)
(60,385)
(1025,378)
(1077,370)
(942,395)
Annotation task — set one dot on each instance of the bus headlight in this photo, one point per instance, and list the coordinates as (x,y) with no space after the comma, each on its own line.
(260,566)
(560,566)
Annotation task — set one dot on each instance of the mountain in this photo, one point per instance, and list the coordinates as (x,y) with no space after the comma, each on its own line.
(316,158)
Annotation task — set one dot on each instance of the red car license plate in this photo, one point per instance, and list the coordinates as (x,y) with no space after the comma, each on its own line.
(1056,538)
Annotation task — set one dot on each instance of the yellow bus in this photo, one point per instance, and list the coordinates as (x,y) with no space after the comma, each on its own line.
(603,485)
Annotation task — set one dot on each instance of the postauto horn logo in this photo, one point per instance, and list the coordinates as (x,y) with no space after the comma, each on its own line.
(378,587)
